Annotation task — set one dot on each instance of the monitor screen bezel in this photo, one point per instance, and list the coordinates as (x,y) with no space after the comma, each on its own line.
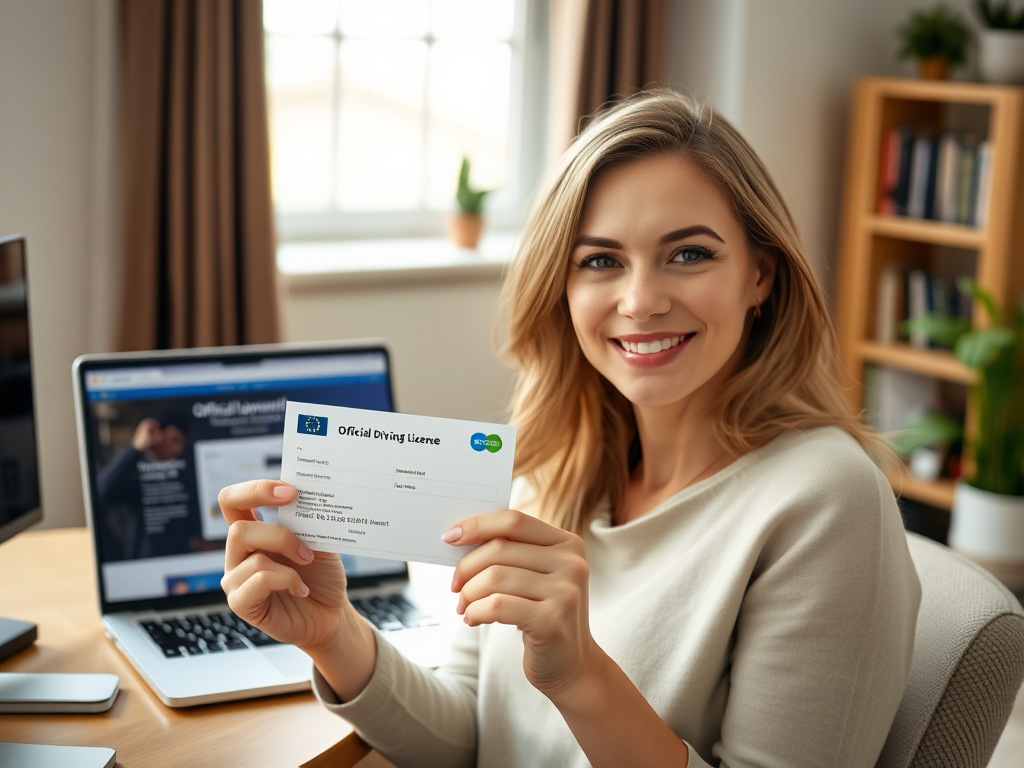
(31,517)
(241,354)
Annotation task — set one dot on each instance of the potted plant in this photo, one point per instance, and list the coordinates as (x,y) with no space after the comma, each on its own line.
(987,522)
(464,227)
(1001,43)
(925,441)
(937,39)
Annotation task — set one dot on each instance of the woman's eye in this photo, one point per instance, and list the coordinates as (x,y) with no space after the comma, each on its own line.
(598,261)
(693,254)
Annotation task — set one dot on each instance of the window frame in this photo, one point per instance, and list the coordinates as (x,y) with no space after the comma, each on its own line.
(527,144)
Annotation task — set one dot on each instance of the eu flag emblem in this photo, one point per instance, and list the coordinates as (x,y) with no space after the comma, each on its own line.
(312,425)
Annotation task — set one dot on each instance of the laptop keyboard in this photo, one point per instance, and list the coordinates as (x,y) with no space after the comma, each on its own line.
(392,613)
(224,631)
(208,633)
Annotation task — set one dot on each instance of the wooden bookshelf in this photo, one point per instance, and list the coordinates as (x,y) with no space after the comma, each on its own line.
(927,362)
(932,232)
(938,494)
(869,241)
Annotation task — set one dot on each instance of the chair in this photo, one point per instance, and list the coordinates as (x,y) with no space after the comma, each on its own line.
(967,667)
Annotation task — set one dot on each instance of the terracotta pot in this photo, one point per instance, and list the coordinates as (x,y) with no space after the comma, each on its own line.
(1001,56)
(464,229)
(933,69)
(988,528)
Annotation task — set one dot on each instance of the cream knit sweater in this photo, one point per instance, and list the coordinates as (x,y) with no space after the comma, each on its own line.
(767,613)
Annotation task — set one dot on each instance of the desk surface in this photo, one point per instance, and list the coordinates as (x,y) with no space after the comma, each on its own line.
(48,577)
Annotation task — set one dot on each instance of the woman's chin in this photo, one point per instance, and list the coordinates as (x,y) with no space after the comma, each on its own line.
(654,394)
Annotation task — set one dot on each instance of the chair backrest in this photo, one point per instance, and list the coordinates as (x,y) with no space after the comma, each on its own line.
(967,668)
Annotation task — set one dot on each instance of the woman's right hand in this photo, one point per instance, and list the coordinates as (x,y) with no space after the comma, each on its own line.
(272,579)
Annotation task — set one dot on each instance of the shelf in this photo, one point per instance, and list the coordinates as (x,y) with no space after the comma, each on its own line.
(927,362)
(941,91)
(938,493)
(934,232)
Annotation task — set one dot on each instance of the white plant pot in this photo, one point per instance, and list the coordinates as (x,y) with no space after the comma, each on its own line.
(988,528)
(926,464)
(1001,56)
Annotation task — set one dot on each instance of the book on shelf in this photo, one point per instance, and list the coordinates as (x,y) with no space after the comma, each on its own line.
(945,191)
(889,306)
(938,177)
(917,304)
(984,183)
(903,294)
(894,397)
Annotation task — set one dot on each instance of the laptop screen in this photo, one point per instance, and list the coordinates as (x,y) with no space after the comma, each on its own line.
(165,436)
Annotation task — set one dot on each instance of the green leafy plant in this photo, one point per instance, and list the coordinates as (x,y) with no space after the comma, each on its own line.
(938,33)
(999,15)
(996,354)
(469,200)
(931,429)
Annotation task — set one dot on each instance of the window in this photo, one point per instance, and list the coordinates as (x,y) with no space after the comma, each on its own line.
(373,103)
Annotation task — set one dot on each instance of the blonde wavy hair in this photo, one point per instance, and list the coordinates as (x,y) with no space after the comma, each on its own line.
(576,432)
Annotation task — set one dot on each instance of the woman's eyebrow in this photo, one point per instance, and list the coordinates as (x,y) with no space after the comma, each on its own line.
(685,232)
(597,242)
(671,237)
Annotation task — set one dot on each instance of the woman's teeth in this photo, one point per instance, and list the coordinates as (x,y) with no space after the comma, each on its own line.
(650,347)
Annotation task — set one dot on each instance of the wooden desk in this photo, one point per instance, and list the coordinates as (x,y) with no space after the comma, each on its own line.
(48,577)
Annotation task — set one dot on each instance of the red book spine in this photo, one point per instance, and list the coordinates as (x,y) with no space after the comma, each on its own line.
(888,172)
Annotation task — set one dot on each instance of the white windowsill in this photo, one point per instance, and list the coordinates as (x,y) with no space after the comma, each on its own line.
(330,264)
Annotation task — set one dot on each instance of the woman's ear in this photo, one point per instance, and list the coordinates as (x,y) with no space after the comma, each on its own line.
(767,264)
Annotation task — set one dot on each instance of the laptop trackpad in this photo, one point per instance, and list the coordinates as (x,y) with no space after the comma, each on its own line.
(290,662)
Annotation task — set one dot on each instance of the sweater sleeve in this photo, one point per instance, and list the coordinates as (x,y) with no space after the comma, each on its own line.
(825,632)
(412,716)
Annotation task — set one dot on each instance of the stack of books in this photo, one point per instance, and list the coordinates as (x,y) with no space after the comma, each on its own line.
(941,177)
(906,294)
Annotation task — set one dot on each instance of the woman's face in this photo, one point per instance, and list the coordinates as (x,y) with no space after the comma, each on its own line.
(662,280)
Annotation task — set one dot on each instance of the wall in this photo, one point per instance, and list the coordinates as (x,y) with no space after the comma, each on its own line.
(440,333)
(57,187)
(781,71)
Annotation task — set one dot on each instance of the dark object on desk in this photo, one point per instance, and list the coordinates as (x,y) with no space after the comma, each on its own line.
(46,756)
(19,465)
(15,636)
(62,693)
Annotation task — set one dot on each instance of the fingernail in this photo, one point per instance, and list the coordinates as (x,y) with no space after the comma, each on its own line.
(283,491)
(304,588)
(453,535)
(305,552)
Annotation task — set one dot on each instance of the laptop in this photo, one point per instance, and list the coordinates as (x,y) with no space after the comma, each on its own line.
(160,433)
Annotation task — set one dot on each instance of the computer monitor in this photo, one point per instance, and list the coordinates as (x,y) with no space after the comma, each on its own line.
(19,465)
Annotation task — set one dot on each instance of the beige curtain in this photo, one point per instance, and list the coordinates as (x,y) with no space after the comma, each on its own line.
(602,51)
(198,235)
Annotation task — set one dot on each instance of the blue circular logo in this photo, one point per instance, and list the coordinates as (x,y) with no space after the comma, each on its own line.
(482,442)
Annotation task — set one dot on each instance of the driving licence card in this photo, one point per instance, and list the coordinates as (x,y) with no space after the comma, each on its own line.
(389,484)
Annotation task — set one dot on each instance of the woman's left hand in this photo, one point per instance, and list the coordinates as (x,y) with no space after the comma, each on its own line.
(534,576)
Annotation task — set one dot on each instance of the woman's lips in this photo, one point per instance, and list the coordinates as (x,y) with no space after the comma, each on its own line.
(625,345)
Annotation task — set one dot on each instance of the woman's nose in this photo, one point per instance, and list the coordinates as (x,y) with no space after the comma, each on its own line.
(644,296)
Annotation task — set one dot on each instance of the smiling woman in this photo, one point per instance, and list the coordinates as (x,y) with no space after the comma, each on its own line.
(703,566)
(661,222)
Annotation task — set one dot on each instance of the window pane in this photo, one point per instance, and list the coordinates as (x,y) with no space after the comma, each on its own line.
(468,115)
(385,18)
(473,19)
(300,16)
(299,84)
(380,144)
